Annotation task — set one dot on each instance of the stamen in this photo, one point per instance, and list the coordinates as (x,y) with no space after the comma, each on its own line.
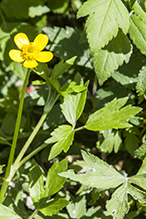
(29,52)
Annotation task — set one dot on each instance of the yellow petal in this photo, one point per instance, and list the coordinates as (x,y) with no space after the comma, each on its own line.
(30,63)
(15,55)
(21,39)
(44,56)
(41,41)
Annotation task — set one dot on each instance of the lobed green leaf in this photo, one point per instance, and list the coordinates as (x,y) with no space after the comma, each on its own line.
(105,18)
(101,175)
(118,206)
(137,33)
(64,136)
(112,56)
(7,213)
(112,116)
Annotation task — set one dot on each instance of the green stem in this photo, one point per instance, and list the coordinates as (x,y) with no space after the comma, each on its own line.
(25,159)
(30,139)
(14,142)
(78,129)
(33,214)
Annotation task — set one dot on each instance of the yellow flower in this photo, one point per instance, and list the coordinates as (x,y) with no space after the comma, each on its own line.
(30,52)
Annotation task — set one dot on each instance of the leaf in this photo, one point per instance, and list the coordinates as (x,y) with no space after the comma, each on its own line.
(118,206)
(141,152)
(141,82)
(8,123)
(142,169)
(137,33)
(112,116)
(38,10)
(73,105)
(139,11)
(131,140)
(123,79)
(64,136)
(54,182)
(7,213)
(61,67)
(136,193)
(4,141)
(1,168)
(36,183)
(66,44)
(105,18)
(23,9)
(112,141)
(53,206)
(112,56)
(139,180)
(77,208)
(59,7)
(101,175)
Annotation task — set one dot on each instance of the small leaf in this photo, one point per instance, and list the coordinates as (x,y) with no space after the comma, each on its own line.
(136,193)
(112,141)
(112,56)
(139,11)
(112,116)
(131,143)
(61,67)
(101,175)
(19,9)
(7,213)
(77,208)
(54,182)
(59,7)
(53,206)
(141,82)
(64,136)
(139,180)
(4,141)
(105,17)
(36,183)
(137,33)
(1,168)
(118,206)
(73,105)
(38,10)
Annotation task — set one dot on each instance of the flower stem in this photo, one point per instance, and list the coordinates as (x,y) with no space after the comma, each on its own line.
(14,142)
(30,139)
(18,162)
(25,159)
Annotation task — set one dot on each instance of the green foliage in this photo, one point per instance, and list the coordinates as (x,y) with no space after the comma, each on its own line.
(64,136)
(67,43)
(6,213)
(104,12)
(40,195)
(107,14)
(137,33)
(89,97)
(116,118)
(58,6)
(36,8)
(103,176)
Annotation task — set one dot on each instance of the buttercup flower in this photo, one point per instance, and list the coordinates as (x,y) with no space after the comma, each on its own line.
(30,52)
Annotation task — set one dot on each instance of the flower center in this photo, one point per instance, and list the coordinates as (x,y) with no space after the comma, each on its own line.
(29,52)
